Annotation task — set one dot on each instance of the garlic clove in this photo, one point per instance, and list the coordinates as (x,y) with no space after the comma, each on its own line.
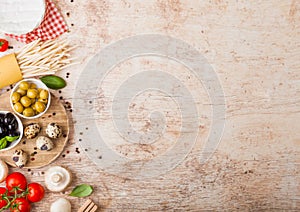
(61,205)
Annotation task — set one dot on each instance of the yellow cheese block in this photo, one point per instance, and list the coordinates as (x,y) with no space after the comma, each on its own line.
(9,70)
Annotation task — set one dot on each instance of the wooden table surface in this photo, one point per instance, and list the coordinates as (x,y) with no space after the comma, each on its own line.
(253,47)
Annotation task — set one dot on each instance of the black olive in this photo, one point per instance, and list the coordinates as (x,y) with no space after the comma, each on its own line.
(3,130)
(10,127)
(13,125)
(9,118)
(2,118)
(13,133)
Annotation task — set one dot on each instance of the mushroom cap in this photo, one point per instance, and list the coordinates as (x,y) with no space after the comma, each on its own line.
(57,178)
(61,205)
(3,171)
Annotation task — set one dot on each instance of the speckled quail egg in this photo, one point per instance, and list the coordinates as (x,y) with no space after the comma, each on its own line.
(20,158)
(53,130)
(32,130)
(44,143)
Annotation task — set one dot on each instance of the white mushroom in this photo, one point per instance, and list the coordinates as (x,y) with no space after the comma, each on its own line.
(57,178)
(53,130)
(20,158)
(44,143)
(61,205)
(3,171)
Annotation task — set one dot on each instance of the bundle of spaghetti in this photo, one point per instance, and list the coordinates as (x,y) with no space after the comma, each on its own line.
(44,58)
(35,59)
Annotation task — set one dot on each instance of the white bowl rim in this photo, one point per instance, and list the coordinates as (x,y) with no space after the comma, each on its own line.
(38,21)
(36,81)
(20,128)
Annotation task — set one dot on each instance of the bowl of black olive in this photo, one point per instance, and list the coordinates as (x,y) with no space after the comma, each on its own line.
(11,130)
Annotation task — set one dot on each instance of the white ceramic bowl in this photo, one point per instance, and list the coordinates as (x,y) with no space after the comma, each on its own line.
(18,17)
(39,84)
(20,129)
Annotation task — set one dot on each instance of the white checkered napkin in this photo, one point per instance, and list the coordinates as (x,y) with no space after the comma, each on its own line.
(50,28)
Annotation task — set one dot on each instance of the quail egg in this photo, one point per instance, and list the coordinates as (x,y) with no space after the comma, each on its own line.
(20,158)
(44,143)
(53,130)
(32,130)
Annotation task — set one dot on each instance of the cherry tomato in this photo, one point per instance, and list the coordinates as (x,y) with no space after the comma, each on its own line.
(3,45)
(36,192)
(3,194)
(16,181)
(20,205)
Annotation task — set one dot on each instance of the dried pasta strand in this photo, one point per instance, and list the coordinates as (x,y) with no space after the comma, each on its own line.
(43,58)
(35,69)
(27,48)
(35,75)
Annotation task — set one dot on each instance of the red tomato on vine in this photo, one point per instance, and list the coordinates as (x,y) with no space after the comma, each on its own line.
(36,192)
(16,182)
(20,205)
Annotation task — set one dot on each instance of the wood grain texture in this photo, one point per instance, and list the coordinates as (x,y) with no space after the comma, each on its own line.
(254,48)
(38,158)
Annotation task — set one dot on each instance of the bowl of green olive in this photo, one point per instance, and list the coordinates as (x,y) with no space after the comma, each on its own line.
(30,98)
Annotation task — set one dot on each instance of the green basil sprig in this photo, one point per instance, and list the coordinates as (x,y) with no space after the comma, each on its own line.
(3,141)
(53,82)
(82,190)
(11,138)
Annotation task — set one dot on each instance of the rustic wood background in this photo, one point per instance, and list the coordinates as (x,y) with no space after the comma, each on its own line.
(254,47)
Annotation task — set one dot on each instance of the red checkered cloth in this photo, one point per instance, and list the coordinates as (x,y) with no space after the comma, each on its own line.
(52,26)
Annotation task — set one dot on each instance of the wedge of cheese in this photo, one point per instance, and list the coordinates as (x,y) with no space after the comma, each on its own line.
(9,70)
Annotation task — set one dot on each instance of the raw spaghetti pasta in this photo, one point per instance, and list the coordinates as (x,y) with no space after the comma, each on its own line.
(35,59)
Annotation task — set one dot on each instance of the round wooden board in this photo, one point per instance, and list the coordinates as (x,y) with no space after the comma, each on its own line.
(37,158)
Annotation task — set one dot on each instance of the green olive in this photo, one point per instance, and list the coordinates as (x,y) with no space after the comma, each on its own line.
(44,94)
(25,101)
(24,85)
(21,92)
(33,101)
(45,101)
(40,107)
(18,107)
(32,93)
(33,107)
(15,97)
(28,112)
(33,86)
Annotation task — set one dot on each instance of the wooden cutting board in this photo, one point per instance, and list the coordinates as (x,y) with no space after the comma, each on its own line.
(37,158)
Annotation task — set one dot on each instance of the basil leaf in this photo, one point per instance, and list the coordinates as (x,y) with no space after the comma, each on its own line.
(83,190)
(11,138)
(53,82)
(3,143)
